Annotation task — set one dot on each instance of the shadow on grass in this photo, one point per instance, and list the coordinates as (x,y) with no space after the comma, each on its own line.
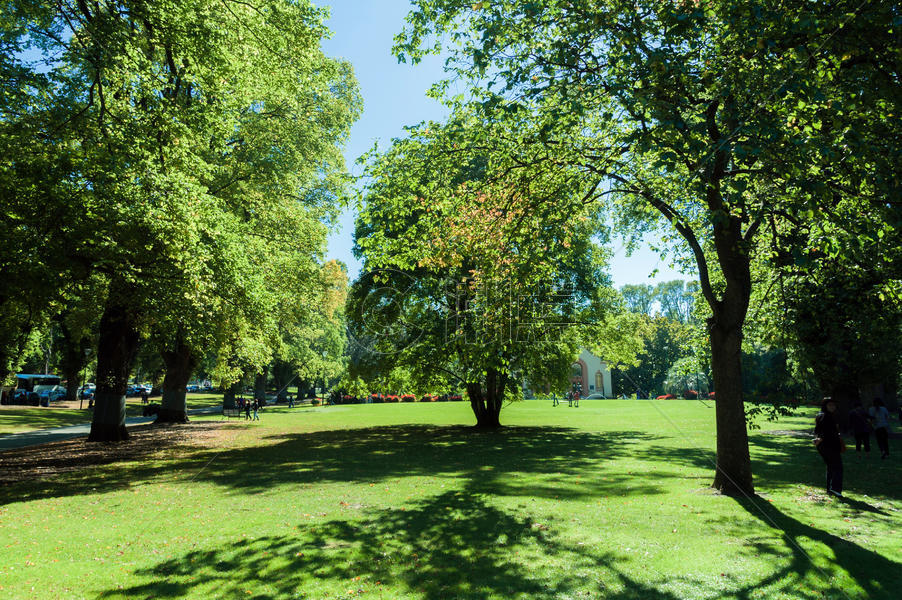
(73,467)
(534,461)
(878,576)
(460,545)
(454,545)
(17,420)
(782,461)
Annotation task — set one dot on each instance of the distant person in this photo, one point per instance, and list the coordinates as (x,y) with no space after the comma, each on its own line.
(256,407)
(860,427)
(554,400)
(880,421)
(830,445)
(290,401)
(144,397)
(247,411)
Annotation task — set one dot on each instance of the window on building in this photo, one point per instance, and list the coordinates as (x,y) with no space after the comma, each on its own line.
(576,370)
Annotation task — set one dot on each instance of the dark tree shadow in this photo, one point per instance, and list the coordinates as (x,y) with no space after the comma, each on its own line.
(566,461)
(451,546)
(780,462)
(877,575)
(561,462)
(73,467)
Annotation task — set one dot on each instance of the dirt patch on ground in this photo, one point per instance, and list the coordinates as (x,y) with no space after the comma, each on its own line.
(146,441)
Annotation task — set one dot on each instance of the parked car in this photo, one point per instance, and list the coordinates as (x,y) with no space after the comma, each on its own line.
(192,388)
(50,393)
(87,391)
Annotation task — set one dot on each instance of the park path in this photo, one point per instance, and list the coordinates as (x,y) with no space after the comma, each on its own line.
(44,436)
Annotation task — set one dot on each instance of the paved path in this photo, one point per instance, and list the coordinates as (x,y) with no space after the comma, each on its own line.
(44,436)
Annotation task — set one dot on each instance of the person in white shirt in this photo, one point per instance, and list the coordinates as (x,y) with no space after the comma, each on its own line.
(880,422)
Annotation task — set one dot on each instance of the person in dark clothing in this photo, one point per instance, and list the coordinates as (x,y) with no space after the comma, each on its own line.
(247,411)
(830,445)
(860,427)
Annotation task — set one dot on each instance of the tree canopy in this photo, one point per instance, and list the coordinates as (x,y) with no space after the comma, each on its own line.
(197,163)
(716,119)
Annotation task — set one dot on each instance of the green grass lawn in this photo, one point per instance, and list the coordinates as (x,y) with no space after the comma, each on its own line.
(19,419)
(608,500)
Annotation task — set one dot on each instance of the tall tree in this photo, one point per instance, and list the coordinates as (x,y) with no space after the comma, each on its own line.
(205,139)
(455,283)
(696,115)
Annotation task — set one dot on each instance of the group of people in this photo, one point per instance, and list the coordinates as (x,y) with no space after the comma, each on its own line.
(248,406)
(572,397)
(829,442)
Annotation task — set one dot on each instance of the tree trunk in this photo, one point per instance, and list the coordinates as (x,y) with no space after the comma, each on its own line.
(116,351)
(486,400)
(72,359)
(228,398)
(734,469)
(260,384)
(180,363)
(72,385)
(733,474)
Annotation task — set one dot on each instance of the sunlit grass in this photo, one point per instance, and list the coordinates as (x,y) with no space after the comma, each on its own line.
(608,500)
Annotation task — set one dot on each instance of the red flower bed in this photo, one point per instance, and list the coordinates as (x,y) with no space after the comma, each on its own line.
(408,398)
(666,397)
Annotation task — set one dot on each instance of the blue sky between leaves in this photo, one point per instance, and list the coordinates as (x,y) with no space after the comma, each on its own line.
(394,95)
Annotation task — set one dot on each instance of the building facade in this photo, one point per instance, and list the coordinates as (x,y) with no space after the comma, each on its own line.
(593,374)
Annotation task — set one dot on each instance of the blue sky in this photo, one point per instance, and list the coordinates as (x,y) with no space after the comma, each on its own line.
(394,95)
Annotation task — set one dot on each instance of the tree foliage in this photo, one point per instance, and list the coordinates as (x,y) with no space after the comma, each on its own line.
(196,163)
(716,119)
(461,282)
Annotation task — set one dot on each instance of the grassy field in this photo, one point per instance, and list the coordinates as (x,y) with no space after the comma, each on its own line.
(608,500)
(18,419)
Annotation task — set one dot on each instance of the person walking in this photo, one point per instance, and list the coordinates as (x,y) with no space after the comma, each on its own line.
(861,428)
(247,411)
(880,420)
(829,445)
(256,407)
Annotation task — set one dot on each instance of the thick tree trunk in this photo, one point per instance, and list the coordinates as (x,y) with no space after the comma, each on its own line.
(180,363)
(486,400)
(73,360)
(734,470)
(228,398)
(846,394)
(260,384)
(116,351)
(72,385)
(734,467)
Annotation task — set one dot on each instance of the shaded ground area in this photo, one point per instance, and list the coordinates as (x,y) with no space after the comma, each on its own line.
(33,471)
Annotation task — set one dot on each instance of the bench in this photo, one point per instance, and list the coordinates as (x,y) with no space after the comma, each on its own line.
(232,412)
